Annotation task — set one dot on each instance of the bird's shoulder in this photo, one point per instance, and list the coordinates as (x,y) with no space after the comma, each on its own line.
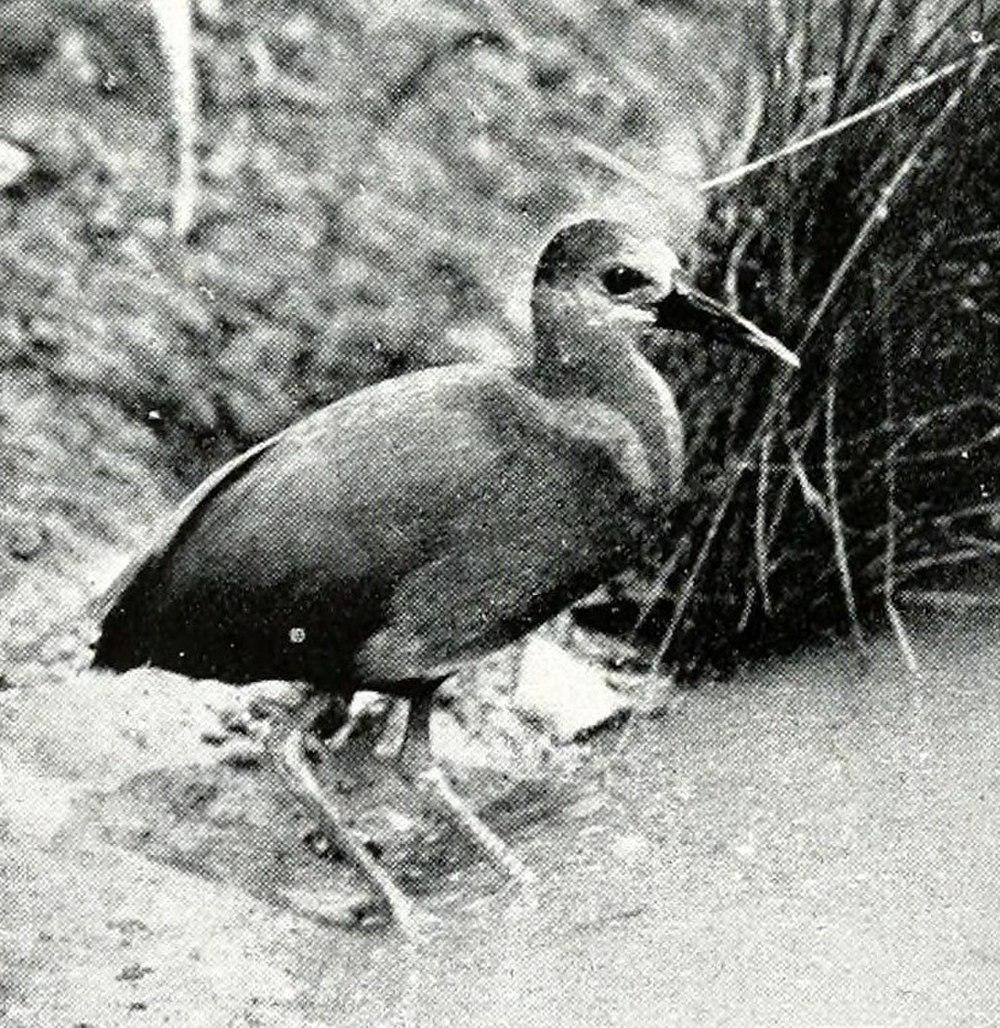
(522,418)
(447,430)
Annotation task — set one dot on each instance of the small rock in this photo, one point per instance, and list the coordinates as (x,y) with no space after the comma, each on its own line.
(568,696)
(197,795)
(15,164)
(316,841)
(25,541)
(586,806)
(261,709)
(630,847)
(244,757)
(453,742)
(400,822)
(133,973)
(61,647)
(235,722)
(268,698)
(300,28)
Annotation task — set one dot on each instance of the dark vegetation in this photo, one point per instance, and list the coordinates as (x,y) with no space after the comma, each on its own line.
(833,499)
(374,183)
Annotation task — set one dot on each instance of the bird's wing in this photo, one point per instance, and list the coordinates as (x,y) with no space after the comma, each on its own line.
(166,532)
(315,435)
(306,530)
(549,524)
(438,515)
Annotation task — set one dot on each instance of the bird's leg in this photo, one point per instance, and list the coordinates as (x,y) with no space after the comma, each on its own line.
(416,762)
(415,756)
(298,774)
(360,733)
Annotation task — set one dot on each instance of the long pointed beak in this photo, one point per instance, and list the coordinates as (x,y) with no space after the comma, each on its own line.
(685,309)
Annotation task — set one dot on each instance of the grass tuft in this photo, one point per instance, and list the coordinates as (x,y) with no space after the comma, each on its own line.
(863,232)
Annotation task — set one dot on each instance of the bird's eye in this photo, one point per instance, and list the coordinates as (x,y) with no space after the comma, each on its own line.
(620,279)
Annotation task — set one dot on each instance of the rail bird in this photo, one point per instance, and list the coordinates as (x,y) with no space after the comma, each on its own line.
(412,527)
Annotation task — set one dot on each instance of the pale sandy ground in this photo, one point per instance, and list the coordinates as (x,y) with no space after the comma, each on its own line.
(799,846)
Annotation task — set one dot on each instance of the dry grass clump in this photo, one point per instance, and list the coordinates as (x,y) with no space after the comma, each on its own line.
(820,501)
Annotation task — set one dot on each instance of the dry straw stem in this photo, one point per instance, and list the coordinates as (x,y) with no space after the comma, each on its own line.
(833,507)
(901,94)
(889,571)
(760,525)
(174,29)
(952,600)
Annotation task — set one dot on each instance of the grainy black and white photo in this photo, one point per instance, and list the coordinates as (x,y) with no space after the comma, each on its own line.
(499,513)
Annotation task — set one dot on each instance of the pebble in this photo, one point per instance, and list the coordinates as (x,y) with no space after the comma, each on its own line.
(244,757)
(568,696)
(630,847)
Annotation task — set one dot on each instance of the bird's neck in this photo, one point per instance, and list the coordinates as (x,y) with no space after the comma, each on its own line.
(629,385)
(635,390)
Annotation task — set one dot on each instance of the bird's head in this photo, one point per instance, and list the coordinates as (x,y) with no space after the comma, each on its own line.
(600,287)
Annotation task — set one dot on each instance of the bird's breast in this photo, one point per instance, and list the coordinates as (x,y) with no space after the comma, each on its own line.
(609,445)
(647,404)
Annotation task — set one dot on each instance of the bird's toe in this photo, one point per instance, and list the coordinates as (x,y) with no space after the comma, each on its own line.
(371,910)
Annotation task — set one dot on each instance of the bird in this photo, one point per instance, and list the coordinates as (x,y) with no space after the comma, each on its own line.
(406,530)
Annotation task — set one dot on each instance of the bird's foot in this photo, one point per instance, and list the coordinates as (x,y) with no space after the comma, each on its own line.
(360,734)
(415,922)
(367,910)
(299,773)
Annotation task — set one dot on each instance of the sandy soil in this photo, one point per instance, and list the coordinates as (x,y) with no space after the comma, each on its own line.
(803,845)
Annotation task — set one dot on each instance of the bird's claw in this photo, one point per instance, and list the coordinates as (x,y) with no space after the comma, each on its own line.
(416,923)
(413,921)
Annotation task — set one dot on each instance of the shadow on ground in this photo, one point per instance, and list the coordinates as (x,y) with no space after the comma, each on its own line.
(803,845)
(235,823)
